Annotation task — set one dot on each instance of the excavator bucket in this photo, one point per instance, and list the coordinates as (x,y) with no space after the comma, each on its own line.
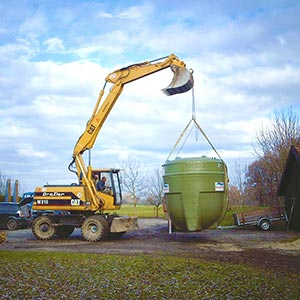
(182,81)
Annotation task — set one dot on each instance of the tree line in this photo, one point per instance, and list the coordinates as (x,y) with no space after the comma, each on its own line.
(258,182)
(251,184)
(4,179)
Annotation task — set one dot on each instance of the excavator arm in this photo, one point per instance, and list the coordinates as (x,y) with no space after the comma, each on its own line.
(182,82)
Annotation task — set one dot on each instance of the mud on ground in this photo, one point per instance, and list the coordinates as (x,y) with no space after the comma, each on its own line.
(277,249)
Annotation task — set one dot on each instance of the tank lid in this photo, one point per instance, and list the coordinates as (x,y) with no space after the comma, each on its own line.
(201,159)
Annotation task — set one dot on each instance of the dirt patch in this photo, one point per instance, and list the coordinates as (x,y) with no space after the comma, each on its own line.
(277,250)
(285,245)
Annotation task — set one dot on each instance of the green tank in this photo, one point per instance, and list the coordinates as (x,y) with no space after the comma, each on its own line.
(196,192)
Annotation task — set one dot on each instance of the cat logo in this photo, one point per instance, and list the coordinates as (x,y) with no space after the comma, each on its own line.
(75,202)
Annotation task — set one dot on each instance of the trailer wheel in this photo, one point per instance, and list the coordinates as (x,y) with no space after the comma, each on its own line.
(43,228)
(265,225)
(11,224)
(94,228)
(64,231)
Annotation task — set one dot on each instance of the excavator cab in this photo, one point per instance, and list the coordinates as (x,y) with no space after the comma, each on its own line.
(107,181)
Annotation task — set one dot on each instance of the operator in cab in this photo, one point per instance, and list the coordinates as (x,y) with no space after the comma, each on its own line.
(100,186)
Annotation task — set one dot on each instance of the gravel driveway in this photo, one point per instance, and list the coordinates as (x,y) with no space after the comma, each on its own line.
(274,249)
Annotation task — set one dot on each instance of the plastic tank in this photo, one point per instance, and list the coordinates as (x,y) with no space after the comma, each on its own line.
(196,192)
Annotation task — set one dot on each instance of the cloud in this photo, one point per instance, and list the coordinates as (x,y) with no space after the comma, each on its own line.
(54,59)
(28,151)
(54,45)
(134,12)
(34,25)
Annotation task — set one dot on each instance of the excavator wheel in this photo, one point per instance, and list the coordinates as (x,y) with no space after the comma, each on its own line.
(94,228)
(64,231)
(43,228)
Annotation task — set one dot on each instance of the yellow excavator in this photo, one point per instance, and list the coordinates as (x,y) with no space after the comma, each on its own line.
(66,207)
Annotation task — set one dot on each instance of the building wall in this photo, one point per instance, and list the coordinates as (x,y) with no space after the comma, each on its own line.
(292,195)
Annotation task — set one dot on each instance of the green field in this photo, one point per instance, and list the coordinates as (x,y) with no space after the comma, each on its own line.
(141,211)
(45,275)
(148,211)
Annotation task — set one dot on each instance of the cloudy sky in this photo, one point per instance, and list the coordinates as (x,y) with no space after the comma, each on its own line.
(55,55)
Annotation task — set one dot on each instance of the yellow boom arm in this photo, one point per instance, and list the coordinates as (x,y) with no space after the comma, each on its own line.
(182,82)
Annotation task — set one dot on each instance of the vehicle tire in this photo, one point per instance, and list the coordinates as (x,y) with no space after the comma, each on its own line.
(64,231)
(43,228)
(265,225)
(94,228)
(12,224)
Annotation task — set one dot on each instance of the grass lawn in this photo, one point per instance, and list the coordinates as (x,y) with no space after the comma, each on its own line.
(53,275)
(148,211)
(141,211)
(45,275)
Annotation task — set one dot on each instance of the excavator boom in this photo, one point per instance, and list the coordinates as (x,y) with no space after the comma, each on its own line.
(83,205)
(181,82)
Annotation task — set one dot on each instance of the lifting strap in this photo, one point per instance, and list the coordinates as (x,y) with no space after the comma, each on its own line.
(197,125)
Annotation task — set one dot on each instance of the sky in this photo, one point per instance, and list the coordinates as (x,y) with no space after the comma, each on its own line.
(55,56)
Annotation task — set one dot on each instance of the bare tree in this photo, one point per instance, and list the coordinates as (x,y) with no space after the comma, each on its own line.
(3,186)
(133,179)
(234,195)
(155,189)
(257,178)
(239,181)
(284,132)
(273,145)
(3,179)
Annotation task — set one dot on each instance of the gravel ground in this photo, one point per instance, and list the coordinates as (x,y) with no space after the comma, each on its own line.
(278,250)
